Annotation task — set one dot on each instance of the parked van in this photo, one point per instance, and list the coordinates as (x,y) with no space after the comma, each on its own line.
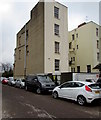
(39,83)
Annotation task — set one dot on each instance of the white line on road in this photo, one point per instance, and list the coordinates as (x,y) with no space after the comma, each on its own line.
(40,113)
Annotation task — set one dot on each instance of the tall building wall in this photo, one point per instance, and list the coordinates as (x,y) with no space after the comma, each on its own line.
(51,38)
(35,62)
(85,46)
(40,38)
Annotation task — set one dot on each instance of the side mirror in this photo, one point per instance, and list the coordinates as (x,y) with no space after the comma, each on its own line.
(35,79)
(60,87)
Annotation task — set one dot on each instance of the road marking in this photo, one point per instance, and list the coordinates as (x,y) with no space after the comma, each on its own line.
(40,113)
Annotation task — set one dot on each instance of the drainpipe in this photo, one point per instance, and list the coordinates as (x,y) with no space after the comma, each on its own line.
(25,55)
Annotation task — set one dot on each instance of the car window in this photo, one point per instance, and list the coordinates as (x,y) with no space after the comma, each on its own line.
(77,84)
(65,85)
(44,78)
(72,85)
(95,86)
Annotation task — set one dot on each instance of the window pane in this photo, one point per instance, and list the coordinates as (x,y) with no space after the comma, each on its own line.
(73,37)
(56,29)
(56,12)
(89,68)
(57,65)
(56,47)
(96,31)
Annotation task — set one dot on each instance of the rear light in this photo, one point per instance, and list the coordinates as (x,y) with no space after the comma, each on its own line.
(88,89)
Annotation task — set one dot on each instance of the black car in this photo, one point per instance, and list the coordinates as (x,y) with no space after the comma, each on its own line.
(39,83)
(99,82)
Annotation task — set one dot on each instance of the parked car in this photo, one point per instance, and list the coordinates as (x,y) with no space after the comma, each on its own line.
(39,83)
(5,81)
(90,80)
(1,78)
(82,92)
(11,81)
(99,82)
(20,83)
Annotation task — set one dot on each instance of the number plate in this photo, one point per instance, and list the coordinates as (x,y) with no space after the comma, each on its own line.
(97,92)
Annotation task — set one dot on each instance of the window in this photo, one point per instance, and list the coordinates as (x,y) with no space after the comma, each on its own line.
(73,37)
(56,47)
(19,40)
(77,47)
(65,85)
(27,34)
(96,31)
(97,44)
(57,62)
(56,29)
(73,58)
(78,69)
(27,50)
(70,45)
(56,12)
(88,68)
(77,35)
(98,56)
(19,54)
(72,69)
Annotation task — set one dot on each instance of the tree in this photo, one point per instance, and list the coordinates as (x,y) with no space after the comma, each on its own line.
(7,70)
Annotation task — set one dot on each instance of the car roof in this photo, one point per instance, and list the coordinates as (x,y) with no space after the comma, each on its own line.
(83,82)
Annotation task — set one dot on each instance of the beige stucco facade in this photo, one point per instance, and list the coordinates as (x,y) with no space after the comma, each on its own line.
(84,49)
(35,48)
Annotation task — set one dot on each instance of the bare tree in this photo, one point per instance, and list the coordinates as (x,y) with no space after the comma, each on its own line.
(6,67)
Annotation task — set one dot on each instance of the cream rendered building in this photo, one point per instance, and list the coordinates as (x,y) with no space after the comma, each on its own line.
(84,48)
(42,44)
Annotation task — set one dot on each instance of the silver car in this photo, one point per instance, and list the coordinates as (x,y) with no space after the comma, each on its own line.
(11,81)
(20,83)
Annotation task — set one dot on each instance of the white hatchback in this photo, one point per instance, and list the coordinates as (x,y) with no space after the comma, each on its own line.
(82,92)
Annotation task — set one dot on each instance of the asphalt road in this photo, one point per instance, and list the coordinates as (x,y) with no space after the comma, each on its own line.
(18,103)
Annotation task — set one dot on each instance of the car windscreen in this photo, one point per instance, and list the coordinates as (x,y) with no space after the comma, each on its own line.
(44,79)
(94,86)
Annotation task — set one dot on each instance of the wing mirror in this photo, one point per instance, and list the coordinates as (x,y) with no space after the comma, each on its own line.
(35,79)
(60,87)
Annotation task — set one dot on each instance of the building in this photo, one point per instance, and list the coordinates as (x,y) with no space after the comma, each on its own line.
(42,44)
(84,47)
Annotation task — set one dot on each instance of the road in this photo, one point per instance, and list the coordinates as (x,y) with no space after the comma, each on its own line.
(18,103)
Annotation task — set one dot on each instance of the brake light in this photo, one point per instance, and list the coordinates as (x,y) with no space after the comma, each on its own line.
(88,89)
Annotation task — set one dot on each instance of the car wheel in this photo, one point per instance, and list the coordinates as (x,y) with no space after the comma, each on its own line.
(55,95)
(81,100)
(20,86)
(38,91)
(26,88)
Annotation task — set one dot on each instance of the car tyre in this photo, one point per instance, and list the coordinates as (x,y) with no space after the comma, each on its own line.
(38,91)
(26,88)
(55,95)
(81,100)
(20,87)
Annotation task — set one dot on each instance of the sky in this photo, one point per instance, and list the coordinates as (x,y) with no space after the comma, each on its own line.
(15,13)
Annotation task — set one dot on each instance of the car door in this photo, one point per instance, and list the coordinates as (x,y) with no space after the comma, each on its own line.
(77,87)
(17,83)
(65,90)
(34,82)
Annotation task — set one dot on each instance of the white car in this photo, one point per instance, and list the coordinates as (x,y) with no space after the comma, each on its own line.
(20,83)
(11,81)
(82,92)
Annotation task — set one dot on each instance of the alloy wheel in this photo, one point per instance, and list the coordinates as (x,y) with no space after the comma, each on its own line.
(81,100)
(55,95)
(38,91)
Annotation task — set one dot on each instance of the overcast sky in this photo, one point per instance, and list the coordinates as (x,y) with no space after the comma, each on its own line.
(15,13)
